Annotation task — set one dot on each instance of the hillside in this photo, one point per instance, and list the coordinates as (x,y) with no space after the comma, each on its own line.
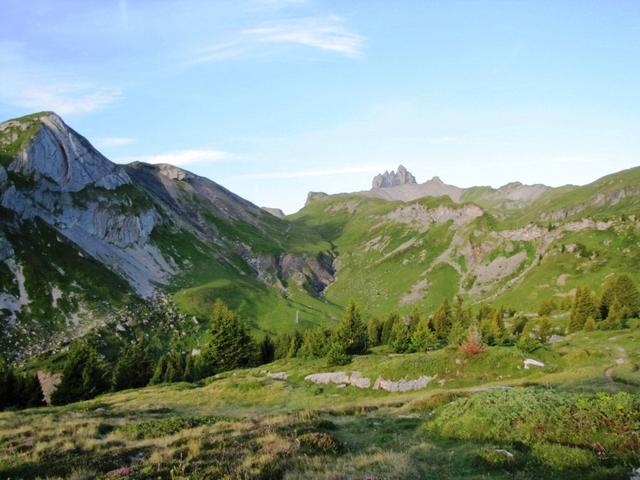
(82,236)
(483,417)
(513,246)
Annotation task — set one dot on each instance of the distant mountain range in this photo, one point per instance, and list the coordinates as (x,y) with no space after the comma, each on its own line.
(81,236)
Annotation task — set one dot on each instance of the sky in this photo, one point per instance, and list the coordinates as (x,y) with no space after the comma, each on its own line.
(276,98)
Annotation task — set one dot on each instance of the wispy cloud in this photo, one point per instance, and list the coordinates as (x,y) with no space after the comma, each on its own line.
(109,142)
(311,173)
(328,34)
(29,85)
(180,157)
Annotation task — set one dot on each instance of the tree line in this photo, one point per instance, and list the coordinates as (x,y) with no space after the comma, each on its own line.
(227,343)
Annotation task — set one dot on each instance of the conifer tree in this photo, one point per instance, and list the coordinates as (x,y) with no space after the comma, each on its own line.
(84,375)
(316,343)
(621,289)
(423,338)
(590,325)
(296,343)
(351,333)
(133,368)
(159,371)
(584,306)
(386,337)
(230,345)
(526,342)
(175,368)
(267,350)
(374,332)
(441,321)
(402,334)
(544,329)
(189,369)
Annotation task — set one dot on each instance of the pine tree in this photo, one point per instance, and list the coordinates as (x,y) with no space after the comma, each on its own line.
(402,334)
(230,345)
(133,368)
(28,392)
(159,371)
(283,344)
(590,325)
(441,321)
(337,355)
(544,329)
(189,369)
(267,350)
(584,306)
(296,343)
(351,333)
(175,368)
(423,338)
(620,289)
(84,375)
(526,342)
(316,343)
(374,332)
(386,337)
(7,386)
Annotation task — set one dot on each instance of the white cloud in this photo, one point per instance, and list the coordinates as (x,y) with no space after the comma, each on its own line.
(32,86)
(313,173)
(108,142)
(181,157)
(327,34)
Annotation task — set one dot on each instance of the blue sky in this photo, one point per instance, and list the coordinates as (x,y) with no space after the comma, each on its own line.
(274,98)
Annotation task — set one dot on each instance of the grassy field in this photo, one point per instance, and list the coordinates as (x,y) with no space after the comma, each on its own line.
(578,417)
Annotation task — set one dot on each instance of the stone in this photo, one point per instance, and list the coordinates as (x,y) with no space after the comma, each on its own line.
(530,362)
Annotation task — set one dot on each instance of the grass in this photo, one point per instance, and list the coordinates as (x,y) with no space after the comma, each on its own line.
(566,420)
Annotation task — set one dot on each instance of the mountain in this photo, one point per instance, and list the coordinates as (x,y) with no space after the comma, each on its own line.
(80,236)
(411,246)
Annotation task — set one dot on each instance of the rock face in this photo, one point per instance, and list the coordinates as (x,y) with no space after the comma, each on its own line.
(133,221)
(276,212)
(393,179)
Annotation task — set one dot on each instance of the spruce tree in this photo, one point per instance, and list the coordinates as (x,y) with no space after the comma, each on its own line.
(7,386)
(267,350)
(296,343)
(159,371)
(189,369)
(544,329)
(423,338)
(230,345)
(386,337)
(84,375)
(590,325)
(316,343)
(133,368)
(584,306)
(526,342)
(442,321)
(351,333)
(402,334)
(621,289)
(374,332)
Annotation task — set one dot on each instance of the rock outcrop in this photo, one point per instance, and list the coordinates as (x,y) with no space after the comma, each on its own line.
(393,179)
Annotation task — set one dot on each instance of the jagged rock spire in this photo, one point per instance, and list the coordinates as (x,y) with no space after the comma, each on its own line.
(393,179)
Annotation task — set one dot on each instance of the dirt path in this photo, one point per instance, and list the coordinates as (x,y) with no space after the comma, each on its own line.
(608,372)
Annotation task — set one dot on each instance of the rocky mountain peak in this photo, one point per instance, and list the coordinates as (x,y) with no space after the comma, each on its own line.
(393,179)
(46,149)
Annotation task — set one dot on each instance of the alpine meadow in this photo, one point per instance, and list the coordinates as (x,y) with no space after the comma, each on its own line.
(172,306)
